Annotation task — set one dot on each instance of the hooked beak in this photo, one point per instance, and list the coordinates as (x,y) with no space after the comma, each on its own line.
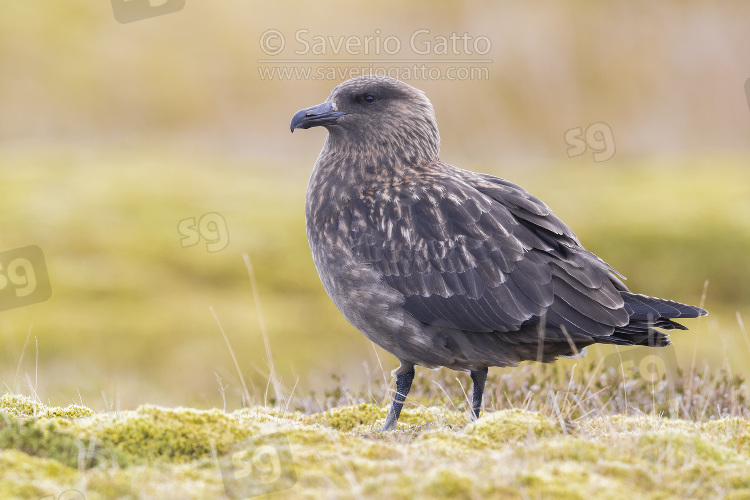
(322,114)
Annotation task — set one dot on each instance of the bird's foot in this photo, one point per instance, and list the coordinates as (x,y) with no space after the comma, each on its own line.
(479,377)
(403,385)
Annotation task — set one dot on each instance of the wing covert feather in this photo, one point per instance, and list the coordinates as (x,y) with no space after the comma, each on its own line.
(478,253)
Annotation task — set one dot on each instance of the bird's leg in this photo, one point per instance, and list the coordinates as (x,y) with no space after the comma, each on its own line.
(479,377)
(403,385)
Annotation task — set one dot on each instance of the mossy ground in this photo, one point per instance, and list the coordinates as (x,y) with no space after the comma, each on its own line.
(157,452)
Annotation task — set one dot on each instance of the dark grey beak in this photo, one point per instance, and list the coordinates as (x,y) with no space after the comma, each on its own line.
(322,114)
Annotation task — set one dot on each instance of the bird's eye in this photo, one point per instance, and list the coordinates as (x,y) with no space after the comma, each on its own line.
(368,98)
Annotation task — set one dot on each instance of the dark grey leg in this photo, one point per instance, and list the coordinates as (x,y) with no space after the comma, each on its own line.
(403,385)
(479,377)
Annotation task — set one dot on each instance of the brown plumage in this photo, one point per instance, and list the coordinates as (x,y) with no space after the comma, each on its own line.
(445,267)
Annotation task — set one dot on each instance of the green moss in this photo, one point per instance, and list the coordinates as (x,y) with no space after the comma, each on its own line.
(538,486)
(572,448)
(681,448)
(739,494)
(377,451)
(152,452)
(432,416)
(628,473)
(397,487)
(446,483)
(23,476)
(46,439)
(510,425)
(347,418)
(21,406)
(178,435)
(304,435)
(263,414)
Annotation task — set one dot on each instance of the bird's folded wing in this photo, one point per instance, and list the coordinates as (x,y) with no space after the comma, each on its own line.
(480,254)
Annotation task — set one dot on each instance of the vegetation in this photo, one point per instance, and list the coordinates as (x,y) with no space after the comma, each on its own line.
(556,434)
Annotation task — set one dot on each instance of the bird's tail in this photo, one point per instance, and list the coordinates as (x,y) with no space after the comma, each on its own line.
(650,315)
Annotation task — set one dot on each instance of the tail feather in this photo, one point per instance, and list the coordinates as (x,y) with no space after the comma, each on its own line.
(643,307)
(649,316)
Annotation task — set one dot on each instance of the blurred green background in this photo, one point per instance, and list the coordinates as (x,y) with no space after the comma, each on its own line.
(111,134)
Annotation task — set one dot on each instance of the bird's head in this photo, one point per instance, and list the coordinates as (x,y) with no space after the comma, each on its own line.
(378,116)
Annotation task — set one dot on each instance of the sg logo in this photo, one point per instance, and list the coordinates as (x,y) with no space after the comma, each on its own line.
(127,11)
(598,137)
(258,466)
(212,227)
(23,278)
(656,367)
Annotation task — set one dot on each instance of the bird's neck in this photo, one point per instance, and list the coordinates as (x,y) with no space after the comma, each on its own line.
(398,142)
(362,167)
